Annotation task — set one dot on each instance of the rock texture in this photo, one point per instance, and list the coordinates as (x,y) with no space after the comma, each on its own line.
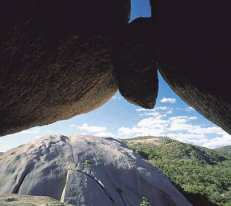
(42,85)
(60,59)
(23,200)
(206,93)
(56,59)
(194,54)
(85,171)
(135,65)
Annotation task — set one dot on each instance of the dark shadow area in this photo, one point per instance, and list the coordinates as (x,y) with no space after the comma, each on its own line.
(198,200)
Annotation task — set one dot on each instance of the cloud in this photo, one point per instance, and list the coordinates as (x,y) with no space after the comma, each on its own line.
(13,140)
(155,111)
(190,109)
(98,131)
(32,131)
(185,128)
(166,100)
(220,141)
(3,147)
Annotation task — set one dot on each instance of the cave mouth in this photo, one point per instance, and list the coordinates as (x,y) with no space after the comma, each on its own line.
(140,9)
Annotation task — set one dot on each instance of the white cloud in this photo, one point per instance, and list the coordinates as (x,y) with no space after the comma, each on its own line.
(166,100)
(13,140)
(220,141)
(190,109)
(160,108)
(3,147)
(86,129)
(155,111)
(32,131)
(184,128)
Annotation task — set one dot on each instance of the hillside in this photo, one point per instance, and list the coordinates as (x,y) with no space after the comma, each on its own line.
(226,150)
(85,171)
(204,175)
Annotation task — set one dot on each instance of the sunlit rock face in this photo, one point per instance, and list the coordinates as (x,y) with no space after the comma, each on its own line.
(85,171)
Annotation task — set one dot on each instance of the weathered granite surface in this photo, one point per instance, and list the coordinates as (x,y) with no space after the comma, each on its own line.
(56,59)
(61,59)
(83,171)
(26,200)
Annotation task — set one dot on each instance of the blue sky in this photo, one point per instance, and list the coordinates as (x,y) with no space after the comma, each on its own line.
(117,118)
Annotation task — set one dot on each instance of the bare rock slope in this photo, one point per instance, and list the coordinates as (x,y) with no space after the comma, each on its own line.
(85,171)
(26,200)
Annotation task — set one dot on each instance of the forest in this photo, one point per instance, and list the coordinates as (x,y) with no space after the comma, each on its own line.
(203,175)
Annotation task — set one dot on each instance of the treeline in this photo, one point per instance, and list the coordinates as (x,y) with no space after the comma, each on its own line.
(203,175)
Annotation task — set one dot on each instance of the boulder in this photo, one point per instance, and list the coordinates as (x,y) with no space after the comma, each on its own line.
(42,85)
(57,18)
(135,66)
(61,59)
(56,59)
(194,54)
(85,170)
(206,92)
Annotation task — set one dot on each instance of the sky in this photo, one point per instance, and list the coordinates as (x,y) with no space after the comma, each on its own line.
(117,118)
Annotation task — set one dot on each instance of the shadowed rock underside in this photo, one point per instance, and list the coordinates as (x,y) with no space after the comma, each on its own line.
(58,64)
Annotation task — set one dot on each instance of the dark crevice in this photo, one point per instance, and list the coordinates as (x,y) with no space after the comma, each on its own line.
(93,178)
(120,192)
(26,171)
(99,184)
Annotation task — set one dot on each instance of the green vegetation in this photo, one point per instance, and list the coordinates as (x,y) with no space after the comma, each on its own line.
(224,150)
(200,173)
(145,201)
(87,163)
